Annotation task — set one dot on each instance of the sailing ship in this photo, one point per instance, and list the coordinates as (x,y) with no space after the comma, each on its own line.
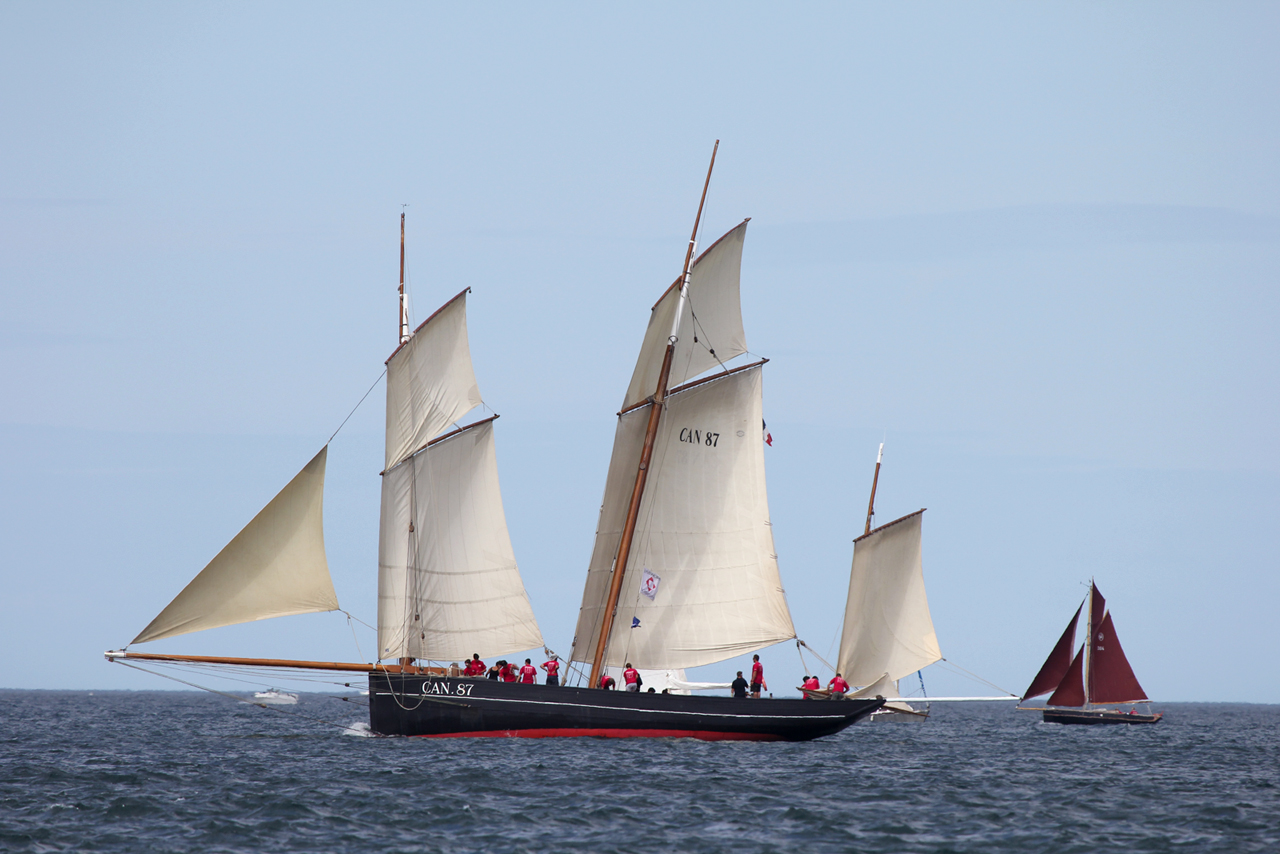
(888,632)
(1097,676)
(689,559)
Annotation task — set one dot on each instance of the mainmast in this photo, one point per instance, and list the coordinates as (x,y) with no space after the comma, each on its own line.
(402,331)
(646,453)
(1088,650)
(871,505)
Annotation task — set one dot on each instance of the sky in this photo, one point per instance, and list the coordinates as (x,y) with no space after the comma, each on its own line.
(1032,248)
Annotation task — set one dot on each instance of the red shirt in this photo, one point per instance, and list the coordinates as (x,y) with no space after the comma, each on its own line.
(552,667)
(757,673)
(475,667)
(838,685)
(811,684)
(630,675)
(528,674)
(506,674)
(606,681)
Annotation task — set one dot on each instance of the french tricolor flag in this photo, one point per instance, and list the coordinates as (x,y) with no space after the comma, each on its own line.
(768,437)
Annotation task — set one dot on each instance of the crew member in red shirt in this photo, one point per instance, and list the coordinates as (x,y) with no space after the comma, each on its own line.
(838,685)
(507,673)
(757,677)
(632,677)
(528,673)
(475,667)
(553,670)
(607,683)
(811,683)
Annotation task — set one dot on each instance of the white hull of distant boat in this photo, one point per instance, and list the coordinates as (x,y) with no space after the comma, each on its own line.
(275,697)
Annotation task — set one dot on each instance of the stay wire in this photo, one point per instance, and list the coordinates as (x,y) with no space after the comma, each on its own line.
(357,406)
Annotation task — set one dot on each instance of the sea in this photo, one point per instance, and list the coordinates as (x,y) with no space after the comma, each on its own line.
(177,771)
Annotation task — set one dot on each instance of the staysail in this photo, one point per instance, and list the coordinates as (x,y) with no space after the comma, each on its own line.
(710,323)
(702,583)
(1059,661)
(274,567)
(1070,691)
(888,630)
(448,584)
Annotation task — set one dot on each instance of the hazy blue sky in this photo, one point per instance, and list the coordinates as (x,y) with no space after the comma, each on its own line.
(1034,248)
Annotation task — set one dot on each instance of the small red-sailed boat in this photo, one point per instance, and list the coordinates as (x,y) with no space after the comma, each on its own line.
(1089,685)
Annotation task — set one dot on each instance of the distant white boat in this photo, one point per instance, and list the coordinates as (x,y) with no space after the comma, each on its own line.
(275,697)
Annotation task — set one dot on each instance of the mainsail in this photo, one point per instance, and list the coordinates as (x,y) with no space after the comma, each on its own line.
(888,632)
(448,584)
(711,320)
(703,583)
(274,567)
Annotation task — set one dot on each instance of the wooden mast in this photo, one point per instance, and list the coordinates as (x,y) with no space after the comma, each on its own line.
(646,453)
(871,505)
(402,329)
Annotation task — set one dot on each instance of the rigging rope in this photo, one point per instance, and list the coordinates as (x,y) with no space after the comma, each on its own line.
(357,406)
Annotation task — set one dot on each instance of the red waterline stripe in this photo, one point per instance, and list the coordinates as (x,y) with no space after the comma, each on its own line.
(567,732)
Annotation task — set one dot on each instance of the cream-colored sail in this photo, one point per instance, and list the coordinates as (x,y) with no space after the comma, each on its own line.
(274,567)
(448,585)
(703,578)
(430,382)
(887,627)
(712,320)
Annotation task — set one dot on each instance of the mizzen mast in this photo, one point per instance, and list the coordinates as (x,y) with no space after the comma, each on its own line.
(875,480)
(646,453)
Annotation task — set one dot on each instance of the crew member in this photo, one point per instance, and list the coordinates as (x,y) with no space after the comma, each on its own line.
(475,667)
(757,677)
(506,672)
(838,685)
(811,683)
(528,673)
(632,677)
(552,667)
(739,687)
(607,683)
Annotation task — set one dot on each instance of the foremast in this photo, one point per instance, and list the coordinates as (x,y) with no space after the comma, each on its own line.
(646,453)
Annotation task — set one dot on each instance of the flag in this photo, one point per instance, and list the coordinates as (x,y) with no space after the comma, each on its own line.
(768,437)
(635,622)
(649,584)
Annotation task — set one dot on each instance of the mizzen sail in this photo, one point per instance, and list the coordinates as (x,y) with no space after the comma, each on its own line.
(703,582)
(274,567)
(887,625)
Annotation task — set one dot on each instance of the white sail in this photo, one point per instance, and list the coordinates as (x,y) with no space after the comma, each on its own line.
(703,534)
(887,627)
(430,382)
(448,584)
(274,567)
(712,320)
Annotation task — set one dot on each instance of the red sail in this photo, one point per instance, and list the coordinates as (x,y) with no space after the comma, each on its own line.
(1111,679)
(1071,691)
(1096,609)
(1056,665)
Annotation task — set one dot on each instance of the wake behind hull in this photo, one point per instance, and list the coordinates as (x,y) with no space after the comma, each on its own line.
(1097,716)
(405,704)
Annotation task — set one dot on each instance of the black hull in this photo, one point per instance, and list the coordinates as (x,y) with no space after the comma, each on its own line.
(431,706)
(1093,717)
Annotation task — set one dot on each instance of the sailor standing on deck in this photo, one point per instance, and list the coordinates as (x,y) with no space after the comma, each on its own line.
(739,687)
(632,677)
(838,685)
(757,677)
(552,666)
(528,673)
